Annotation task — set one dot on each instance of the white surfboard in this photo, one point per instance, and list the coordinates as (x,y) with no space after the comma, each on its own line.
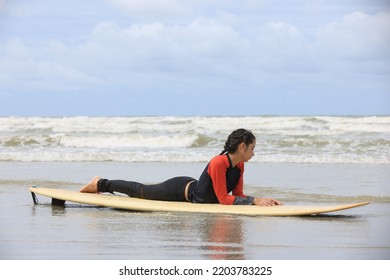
(137,204)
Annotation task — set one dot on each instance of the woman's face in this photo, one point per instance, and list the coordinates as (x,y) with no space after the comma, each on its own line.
(248,151)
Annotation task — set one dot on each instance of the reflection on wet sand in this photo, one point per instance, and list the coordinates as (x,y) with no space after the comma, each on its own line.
(224,236)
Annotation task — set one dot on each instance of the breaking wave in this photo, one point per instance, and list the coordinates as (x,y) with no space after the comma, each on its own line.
(311,139)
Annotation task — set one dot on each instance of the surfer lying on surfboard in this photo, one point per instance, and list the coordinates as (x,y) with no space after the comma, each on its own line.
(223,175)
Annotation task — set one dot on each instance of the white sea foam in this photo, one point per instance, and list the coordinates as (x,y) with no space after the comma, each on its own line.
(309,139)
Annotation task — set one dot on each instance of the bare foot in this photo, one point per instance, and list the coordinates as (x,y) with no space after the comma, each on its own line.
(91,187)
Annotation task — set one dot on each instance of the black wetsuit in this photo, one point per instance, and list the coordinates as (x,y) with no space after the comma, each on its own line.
(218,179)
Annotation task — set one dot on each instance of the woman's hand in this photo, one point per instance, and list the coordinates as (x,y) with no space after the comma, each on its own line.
(266,202)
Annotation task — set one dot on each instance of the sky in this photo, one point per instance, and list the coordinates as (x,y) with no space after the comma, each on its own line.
(204,57)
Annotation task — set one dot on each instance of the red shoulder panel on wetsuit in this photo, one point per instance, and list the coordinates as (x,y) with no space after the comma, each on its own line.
(217,171)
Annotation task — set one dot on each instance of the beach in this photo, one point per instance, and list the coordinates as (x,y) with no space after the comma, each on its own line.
(149,90)
(307,160)
(82,232)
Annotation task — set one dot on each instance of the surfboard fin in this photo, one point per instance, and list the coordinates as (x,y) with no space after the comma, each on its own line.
(58,202)
(34,197)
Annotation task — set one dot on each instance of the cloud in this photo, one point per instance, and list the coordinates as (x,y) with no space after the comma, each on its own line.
(26,68)
(14,9)
(201,49)
(357,36)
(211,50)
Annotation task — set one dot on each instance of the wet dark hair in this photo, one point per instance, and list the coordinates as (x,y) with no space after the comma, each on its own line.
(237,137)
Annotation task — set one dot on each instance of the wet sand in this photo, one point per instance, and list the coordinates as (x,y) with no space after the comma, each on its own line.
(80,232)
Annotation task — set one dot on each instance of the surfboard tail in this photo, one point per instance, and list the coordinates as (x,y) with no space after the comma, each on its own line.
(54,201)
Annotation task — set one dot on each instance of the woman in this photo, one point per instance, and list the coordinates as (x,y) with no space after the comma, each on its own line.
(222,175)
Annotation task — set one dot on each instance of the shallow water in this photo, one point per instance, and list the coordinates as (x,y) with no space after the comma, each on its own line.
(75,231)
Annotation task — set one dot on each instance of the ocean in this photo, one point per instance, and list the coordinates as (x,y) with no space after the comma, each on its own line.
(298,160)
(310,139)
